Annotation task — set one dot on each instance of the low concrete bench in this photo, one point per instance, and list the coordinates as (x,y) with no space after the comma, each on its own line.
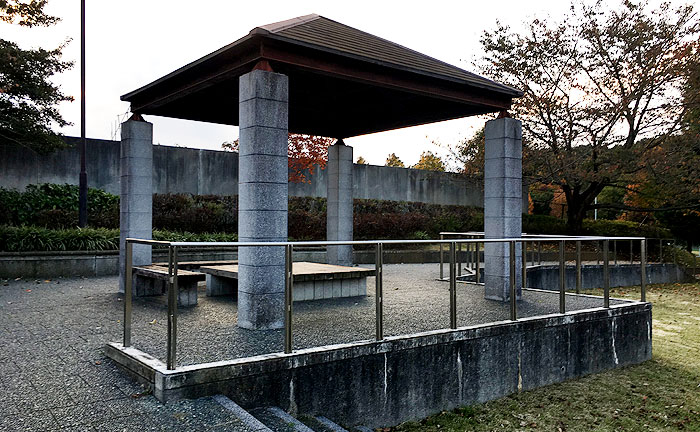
(152,280)
(312,281)
(195,265)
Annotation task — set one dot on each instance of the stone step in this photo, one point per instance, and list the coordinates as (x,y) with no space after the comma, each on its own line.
(279,420)
(322,424)
(251,423)
(275,419)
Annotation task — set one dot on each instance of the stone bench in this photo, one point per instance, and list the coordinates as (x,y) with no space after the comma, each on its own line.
(312,281)
(153,280)
(195,265)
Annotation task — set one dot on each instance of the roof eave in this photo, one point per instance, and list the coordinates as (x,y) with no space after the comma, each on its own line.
(128,96)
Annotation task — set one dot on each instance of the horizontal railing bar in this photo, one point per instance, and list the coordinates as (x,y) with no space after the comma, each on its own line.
(546,236)
(148,242)
(369,242)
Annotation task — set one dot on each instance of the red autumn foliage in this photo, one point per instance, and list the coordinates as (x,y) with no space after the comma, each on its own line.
(304,153)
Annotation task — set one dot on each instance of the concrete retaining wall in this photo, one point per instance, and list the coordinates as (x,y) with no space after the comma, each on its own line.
(410,377)
(71,264)
(196,171)
(547,276)
(31,265)
(78,263)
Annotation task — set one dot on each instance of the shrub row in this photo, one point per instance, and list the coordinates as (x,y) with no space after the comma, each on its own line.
(55,207)
(545,224)
(29,239)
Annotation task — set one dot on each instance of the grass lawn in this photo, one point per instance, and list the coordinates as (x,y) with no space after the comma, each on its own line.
(660,394)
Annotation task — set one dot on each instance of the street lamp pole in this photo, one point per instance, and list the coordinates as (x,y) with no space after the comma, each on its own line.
(83,189)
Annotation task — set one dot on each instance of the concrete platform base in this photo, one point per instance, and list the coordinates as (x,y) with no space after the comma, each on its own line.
(412,376)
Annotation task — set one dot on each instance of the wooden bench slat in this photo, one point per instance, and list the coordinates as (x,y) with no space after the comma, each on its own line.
(303,271)
(159,272)
(189,265)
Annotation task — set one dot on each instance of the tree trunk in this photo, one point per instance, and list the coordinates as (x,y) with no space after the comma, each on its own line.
(575,212)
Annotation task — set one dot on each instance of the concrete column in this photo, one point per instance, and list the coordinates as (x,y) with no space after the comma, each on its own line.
(136,196)
(339,204)
(262,198)
(503,201)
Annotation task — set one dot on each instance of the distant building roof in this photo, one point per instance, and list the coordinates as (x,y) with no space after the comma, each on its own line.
(343,82)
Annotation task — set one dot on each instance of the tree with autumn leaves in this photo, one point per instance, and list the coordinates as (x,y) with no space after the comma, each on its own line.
(605,98)
(305,153)
(429,161)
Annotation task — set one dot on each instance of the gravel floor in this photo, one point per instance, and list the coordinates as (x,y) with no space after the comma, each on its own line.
(414,301)
(54,376)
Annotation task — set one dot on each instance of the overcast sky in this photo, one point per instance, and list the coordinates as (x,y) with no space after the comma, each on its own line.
(131,43)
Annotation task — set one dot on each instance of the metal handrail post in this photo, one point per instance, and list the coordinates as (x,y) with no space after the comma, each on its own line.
(288,297)
(172,307)
(606,275)
(472,256)
(478,263)
(453,287)
(378,284)
(539,253)
(578,267)
(643,270)
(661,250)
(562,278)
(459,258)
(673,248)
(128,274)
(614,252)
(631,251)
(442,260)
(513,299)
(597,252)
(524,246)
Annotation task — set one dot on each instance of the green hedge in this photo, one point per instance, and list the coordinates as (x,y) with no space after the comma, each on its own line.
(191,217)
(56,206)
(544,224)
(25,239)
(30,239)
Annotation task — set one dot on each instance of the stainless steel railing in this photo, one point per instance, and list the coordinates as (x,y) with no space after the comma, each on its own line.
(453,244)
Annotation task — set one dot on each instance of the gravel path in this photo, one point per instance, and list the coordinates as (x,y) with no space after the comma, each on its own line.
(53,373)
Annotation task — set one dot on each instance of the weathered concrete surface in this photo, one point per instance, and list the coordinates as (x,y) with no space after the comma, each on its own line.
(136,192)
(503,180)
(327,289)
(196,171)
(339,203)
(410,377)
(262,204)
(547,276)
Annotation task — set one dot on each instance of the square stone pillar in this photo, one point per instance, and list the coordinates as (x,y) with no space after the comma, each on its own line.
(262,197)
(339,203)
(503,201)
(136,195)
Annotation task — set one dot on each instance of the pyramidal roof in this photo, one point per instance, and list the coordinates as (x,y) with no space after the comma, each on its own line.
(323,33)
(372,84)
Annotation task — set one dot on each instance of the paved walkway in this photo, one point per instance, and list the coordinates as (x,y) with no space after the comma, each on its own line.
(54,376)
